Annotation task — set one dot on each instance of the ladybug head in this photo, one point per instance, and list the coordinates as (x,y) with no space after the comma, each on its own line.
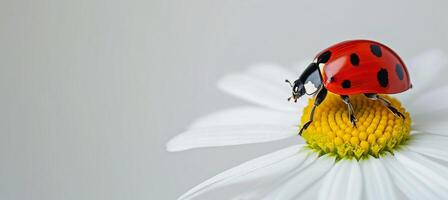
(308,83)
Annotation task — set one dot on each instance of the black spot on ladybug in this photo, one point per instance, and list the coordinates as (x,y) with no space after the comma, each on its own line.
(324,57)
(346,84)
(376,50)
(354,59)
(383,77)
(399,71)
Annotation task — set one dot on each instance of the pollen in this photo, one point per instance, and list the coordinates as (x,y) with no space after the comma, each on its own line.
(377,129)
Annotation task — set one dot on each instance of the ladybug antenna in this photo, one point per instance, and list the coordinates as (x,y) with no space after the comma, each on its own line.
(287,81)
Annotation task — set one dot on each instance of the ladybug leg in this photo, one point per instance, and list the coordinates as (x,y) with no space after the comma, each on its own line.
(386,103)
(320,97)
(351,111)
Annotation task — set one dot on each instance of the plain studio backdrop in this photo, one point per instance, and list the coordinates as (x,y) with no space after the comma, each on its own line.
(92,90)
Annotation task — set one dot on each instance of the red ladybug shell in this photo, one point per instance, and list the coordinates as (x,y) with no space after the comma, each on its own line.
(363,66)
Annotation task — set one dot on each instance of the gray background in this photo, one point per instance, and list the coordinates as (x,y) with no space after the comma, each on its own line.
(91,90)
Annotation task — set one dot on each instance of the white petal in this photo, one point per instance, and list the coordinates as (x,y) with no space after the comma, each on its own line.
(431,101)
(263,85)
(435,146)
(269,189)
(425,66)
(406,181)
(237,126)
(229,135)
(423,69)
(312,191)
(432,122)
(249,115)
(271,73)
(377,182)
(329,181)
(344,181)
(428,172)
(278,162)
(304,178)
(430,112)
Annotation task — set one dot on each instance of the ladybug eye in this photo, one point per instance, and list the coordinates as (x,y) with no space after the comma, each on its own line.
(295,89)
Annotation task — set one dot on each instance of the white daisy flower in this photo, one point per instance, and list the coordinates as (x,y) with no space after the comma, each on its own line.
(384,158)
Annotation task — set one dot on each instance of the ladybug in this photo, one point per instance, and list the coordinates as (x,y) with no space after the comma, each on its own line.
(353,67)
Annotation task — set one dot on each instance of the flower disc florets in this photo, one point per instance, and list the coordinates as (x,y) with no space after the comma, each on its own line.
(378,130)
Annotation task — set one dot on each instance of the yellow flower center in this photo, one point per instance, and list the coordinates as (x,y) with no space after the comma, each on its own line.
(378,130)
